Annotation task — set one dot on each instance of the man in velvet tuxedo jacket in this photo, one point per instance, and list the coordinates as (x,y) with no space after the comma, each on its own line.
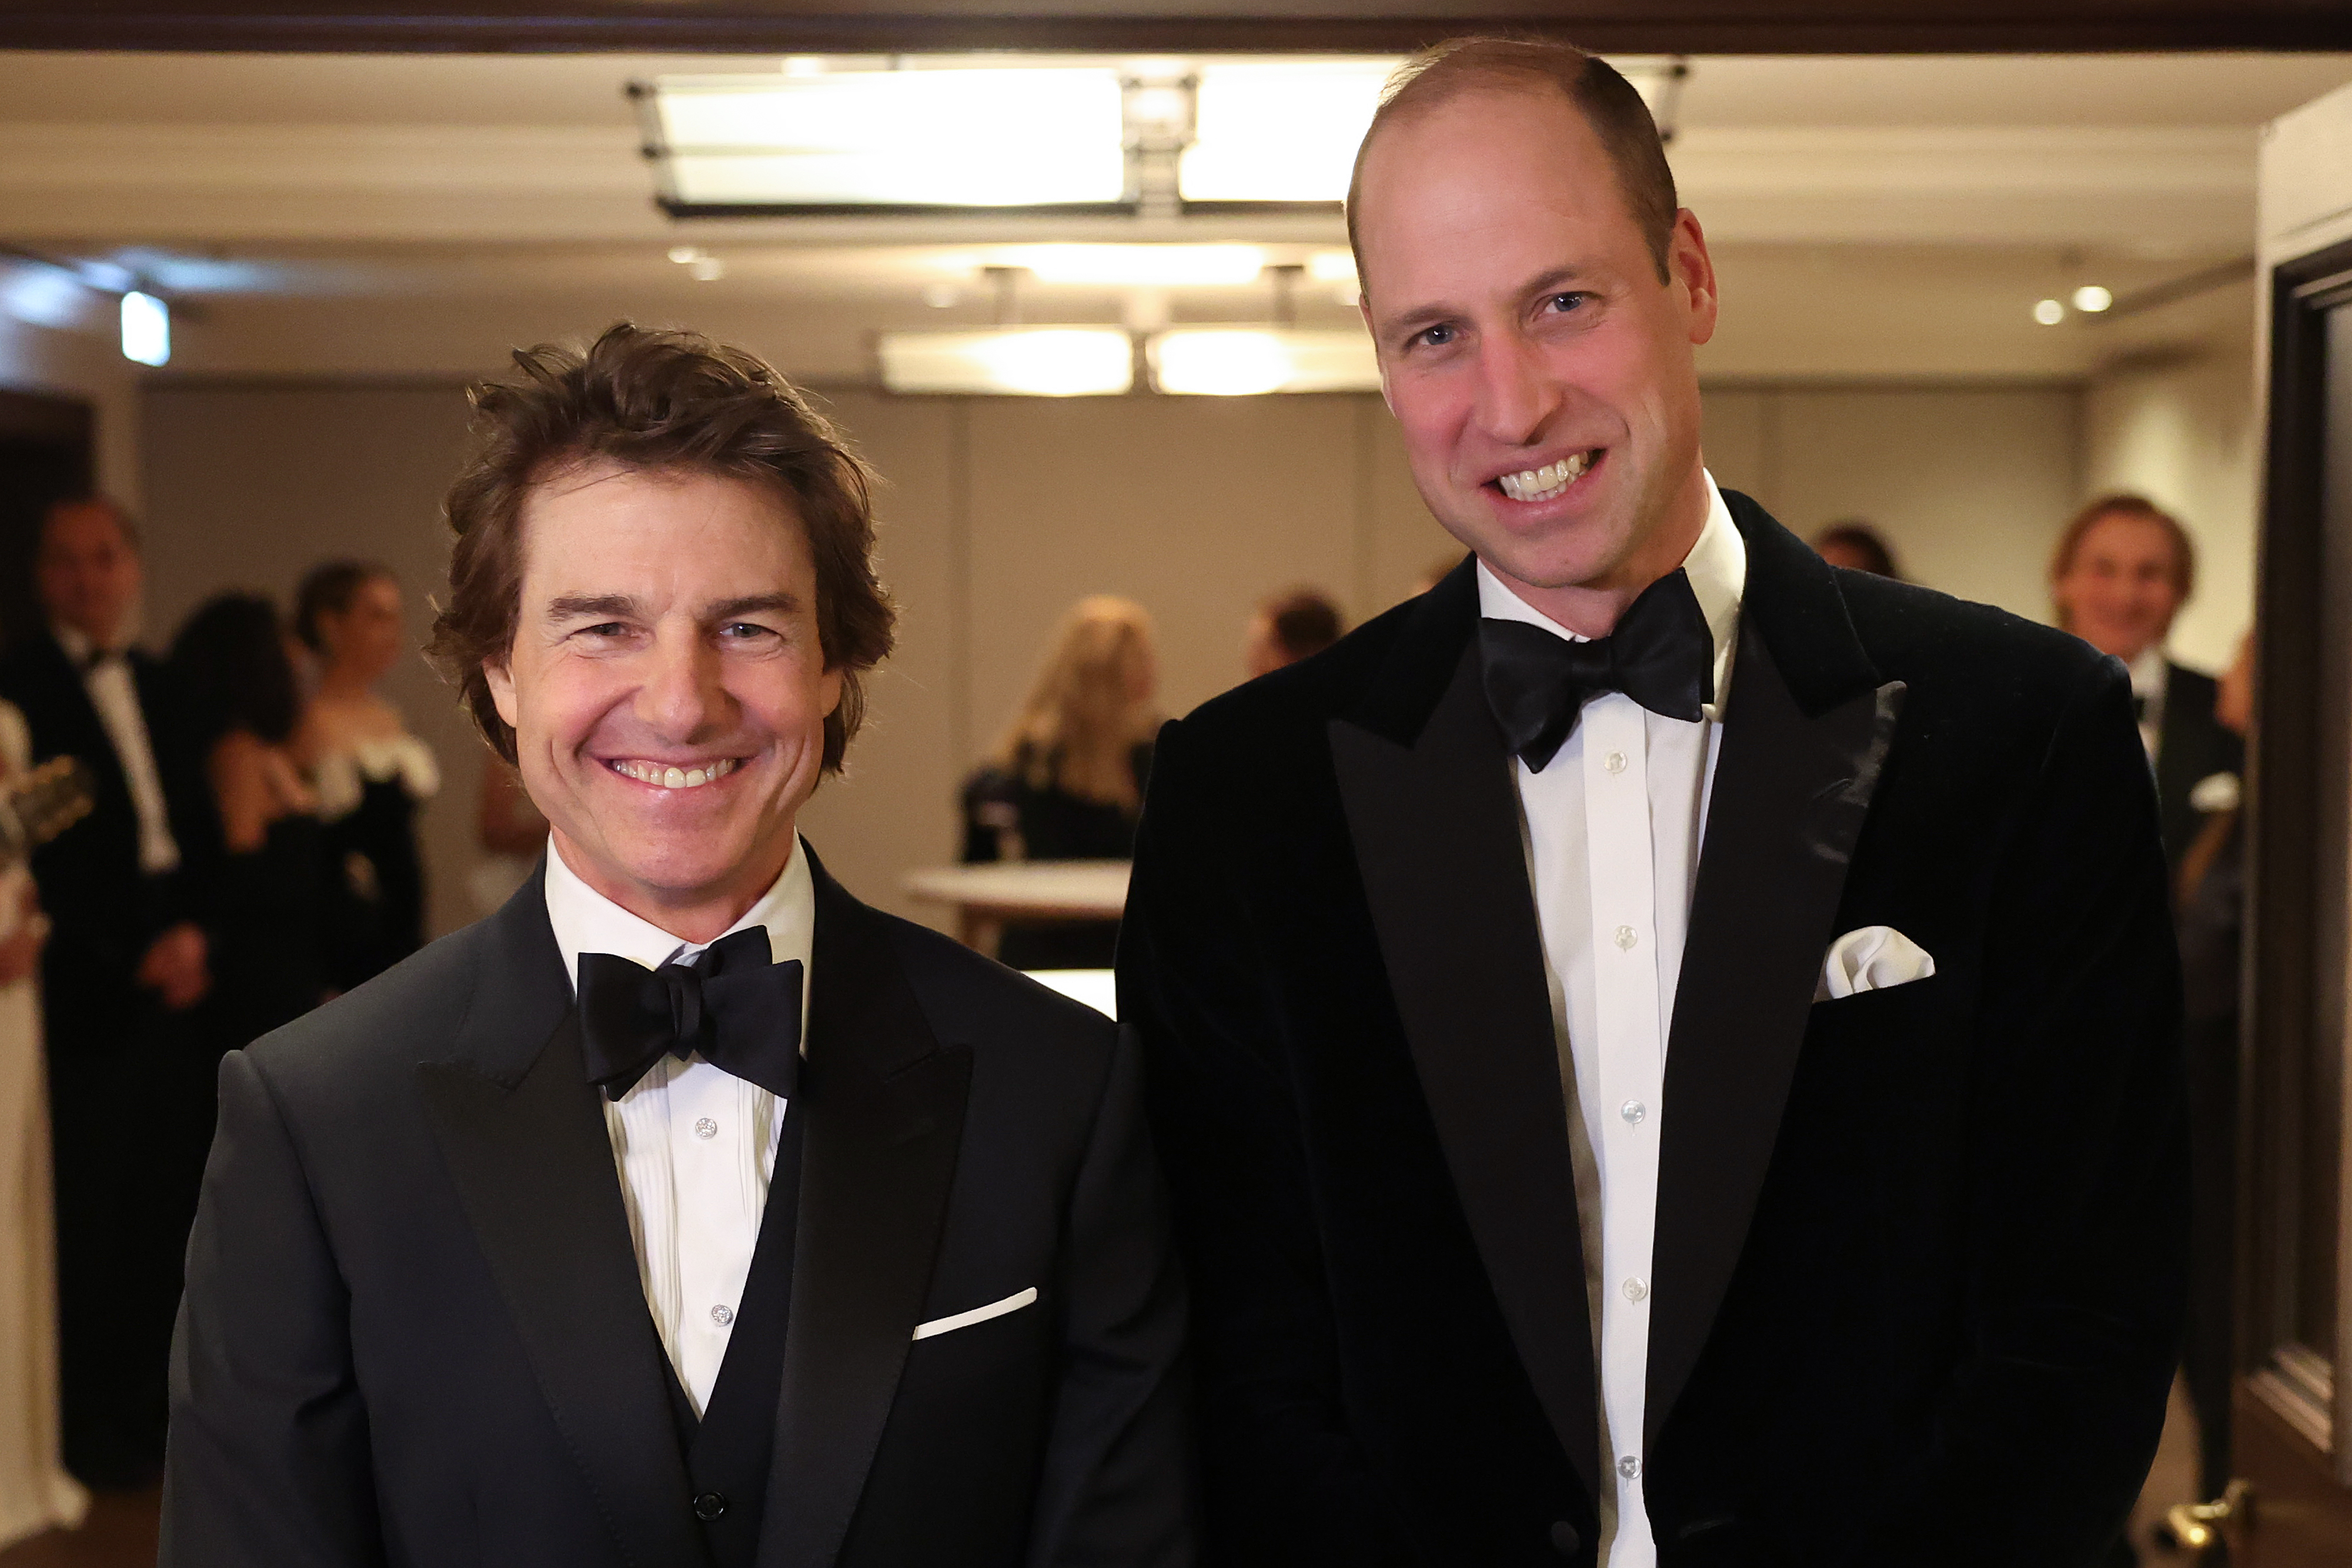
(1664,1050)
(564,1242)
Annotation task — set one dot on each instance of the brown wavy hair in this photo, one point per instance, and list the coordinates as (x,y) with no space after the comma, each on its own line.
(655,400)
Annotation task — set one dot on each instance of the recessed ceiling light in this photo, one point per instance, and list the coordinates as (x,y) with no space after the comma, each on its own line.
(2049,312)
(706,270)
(1034,362)
(683,253)
(2092,299)
(1243,361)
(146,328)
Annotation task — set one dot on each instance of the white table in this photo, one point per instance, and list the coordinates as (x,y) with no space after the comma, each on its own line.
(986,895)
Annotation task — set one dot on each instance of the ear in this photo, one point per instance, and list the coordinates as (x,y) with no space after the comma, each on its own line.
(1689,263)
(828,689)
(500,680)
(1363,308)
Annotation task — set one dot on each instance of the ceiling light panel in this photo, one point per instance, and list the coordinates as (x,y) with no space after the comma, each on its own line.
(1033,361)
(1245,362)
(1283,132)
(963,138)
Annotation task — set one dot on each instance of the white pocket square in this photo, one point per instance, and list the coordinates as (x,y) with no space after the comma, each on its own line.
(1011,1303)
(1872,959)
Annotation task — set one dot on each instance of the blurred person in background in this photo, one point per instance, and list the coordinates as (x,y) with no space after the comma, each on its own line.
(1067,782)
(1857,546)
(124,970)
(1294,625)
(2123,569)
(36,1493)
(2210,890)
(232,668)
(370,772)
(512,834)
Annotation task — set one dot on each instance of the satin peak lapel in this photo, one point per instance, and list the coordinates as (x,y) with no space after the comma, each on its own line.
(884,1102)
(1436,829)
(1790,796)
(533,1167)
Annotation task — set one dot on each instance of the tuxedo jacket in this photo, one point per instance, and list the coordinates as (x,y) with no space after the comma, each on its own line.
(1918,1280)
(413,1330)
(106,911)
(2191,746)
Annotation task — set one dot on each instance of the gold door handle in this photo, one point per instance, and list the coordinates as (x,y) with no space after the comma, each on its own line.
(2196,1524)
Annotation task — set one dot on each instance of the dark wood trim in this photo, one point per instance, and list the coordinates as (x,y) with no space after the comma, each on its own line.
(2282,967)
(761,26)
(45,416)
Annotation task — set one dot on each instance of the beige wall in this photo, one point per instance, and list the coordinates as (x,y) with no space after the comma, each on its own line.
(2183,432)
(996,513)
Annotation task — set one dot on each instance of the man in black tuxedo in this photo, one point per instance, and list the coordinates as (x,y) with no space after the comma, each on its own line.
(130,1095)
(564,1242)
(1665,1051)
(2123,569)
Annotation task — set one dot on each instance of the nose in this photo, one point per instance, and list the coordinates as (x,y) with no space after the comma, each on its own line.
(682,696)
(1517,400)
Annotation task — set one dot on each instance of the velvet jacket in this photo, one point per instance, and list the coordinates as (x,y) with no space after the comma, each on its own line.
(1917,1278)
(414,1335)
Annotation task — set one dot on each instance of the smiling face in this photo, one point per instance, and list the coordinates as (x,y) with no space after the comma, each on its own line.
(2121,586)
(1541,374)
(665,686)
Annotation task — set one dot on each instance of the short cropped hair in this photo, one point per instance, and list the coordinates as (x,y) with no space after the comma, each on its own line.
(1303,622)
(1611,105)
(655,400)
(2124,503)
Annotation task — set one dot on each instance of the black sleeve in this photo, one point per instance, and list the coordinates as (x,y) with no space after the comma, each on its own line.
(1282,1479)
(1116,1482)
(2077,1270)
(269,1459)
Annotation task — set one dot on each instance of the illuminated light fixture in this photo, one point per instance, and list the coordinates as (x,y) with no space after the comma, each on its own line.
(1332,267)
(1279,132)
(146,328)
(845,141)
(1138,266)
(2049,312)
(2091,298)
(1245,362)
(1032,361)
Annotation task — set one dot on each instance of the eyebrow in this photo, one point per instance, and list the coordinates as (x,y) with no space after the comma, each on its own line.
(623,607)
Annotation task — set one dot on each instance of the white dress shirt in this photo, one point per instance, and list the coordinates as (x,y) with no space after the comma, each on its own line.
(1612,832)
(695,1145)
(2151,674)
(116,697)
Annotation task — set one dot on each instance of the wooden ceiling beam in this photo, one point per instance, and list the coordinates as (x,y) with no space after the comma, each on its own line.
(781,26)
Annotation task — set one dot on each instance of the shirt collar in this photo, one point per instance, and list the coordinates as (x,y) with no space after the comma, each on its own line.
(1717,566)
(585,921)
(76,644)
(2150,670)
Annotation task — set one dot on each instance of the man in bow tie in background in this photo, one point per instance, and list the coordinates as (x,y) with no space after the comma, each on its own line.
(688,1211)
(1665,1051)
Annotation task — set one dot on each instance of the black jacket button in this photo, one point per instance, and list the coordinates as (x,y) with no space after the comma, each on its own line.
(1565,1539)
(710,1506)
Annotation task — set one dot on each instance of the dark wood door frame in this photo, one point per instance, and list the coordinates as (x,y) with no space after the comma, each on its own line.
(1639,26)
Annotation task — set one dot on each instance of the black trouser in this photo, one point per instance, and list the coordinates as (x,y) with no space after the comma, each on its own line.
(130,1114)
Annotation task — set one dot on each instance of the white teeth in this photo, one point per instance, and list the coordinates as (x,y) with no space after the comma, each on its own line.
(669,778)
(1543,483)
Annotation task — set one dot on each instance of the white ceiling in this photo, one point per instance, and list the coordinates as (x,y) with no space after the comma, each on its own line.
(1873,215)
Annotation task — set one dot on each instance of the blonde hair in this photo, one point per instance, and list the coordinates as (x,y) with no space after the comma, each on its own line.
(1083,716)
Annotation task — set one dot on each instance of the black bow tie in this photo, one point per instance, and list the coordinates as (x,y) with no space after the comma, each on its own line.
(1661,655)
(2139,707)
(731,1004)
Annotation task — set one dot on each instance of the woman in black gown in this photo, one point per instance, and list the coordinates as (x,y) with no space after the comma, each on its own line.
(370,772)
(1067,782)
(230,668)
